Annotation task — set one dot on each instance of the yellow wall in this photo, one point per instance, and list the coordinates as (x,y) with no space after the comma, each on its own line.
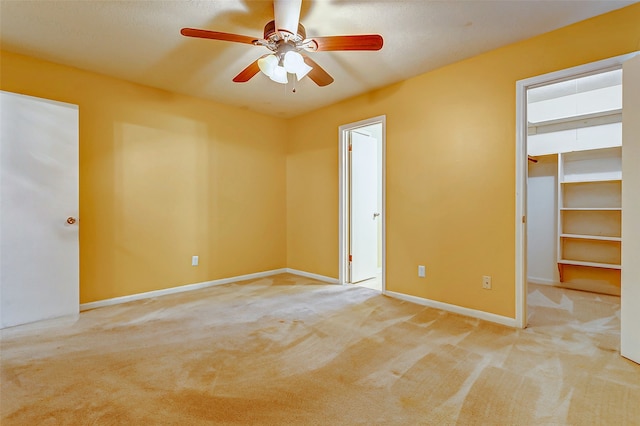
(450,166)
(164,177)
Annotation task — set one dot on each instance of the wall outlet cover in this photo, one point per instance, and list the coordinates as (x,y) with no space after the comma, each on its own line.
(421,271)
(486,282)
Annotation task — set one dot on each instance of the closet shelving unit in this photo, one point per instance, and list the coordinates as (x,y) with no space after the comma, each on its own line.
(590,209)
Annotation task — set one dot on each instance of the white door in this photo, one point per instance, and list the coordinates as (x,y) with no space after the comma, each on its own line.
(363,205)
(38,193)
(630,297)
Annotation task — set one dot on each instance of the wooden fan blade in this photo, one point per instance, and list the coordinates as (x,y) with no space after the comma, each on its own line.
(349,42)
(317,74)
(248,73)
(286,15)
(215,35)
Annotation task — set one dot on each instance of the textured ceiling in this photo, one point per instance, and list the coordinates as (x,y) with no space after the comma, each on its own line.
(140,41)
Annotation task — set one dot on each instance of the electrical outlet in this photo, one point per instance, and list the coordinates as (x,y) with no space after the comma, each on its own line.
(421,271)
(486,282)
(194,260)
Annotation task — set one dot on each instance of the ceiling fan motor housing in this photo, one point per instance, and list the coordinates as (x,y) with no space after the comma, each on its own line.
(270,33)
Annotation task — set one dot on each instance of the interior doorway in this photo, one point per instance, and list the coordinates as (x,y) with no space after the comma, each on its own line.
(589,225)
(362,217)
(574,185)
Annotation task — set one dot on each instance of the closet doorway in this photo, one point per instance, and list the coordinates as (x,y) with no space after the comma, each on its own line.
(570,198)
(574,185)
(362,218)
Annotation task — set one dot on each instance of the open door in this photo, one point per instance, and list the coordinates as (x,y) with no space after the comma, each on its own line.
(362,142)
(630,299)
(364,204)
(38,209)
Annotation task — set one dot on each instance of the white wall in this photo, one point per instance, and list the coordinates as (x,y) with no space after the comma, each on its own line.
(542,220)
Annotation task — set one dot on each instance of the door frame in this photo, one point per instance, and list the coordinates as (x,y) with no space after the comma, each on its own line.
(522,163)
(343,193)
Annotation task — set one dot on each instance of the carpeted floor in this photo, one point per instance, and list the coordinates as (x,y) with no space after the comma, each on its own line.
(290,350)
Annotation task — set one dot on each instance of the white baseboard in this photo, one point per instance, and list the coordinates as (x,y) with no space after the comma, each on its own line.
(179,289)
(542,281)
(486,316)
(190,287)
(314,276)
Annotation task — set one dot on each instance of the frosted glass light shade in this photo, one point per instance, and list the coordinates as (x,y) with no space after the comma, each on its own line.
(279,75)
(268,64)
(302,71)
(294,63)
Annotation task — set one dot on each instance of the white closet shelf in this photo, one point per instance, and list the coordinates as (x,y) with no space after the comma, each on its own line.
(576,121)
(591,180)
(591,237)
(591,264)
(595,209)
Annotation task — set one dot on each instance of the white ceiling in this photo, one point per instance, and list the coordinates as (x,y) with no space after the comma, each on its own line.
(140,41)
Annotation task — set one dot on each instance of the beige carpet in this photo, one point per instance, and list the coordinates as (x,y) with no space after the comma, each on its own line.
(289,350)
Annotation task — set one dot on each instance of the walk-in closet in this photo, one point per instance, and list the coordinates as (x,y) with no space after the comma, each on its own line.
(574,185)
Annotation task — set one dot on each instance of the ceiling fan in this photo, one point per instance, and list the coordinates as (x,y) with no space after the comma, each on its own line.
(286,38)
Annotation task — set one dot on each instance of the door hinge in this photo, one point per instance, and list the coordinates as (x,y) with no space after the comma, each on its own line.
(350,258)
(350,147)
(524,219)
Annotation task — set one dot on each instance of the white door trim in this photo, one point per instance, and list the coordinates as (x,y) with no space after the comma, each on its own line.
(343,193)
(630,291)
(521,162)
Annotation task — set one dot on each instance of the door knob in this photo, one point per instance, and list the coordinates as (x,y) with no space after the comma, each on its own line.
(375,215)
(71,220)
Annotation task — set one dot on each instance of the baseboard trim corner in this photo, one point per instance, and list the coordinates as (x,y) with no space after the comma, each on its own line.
(178,289)
(474,313)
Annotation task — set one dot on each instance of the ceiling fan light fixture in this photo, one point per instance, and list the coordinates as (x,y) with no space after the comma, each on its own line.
(268,64)
(279,75)
(303,71)
(294,63)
